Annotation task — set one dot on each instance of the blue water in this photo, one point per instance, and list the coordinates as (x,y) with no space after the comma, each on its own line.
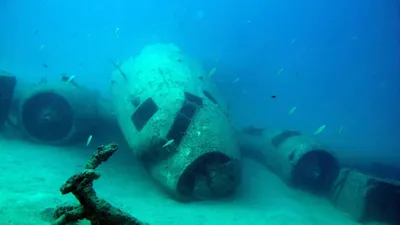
(340,60)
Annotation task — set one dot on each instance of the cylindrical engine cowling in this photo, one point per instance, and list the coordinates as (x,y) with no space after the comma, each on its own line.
(175,126)
(366,198)
(300,161)
(57,113)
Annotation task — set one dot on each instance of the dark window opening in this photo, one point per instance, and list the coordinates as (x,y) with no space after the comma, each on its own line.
(209,96)
(184,117)
(188,110)
(193,98)
(143,113)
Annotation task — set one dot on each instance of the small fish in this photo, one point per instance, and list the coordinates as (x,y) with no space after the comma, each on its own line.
(212,72)
(340,130)
(41,47)
(89,140)
(70,79)
(273,96)
(116,32)
(45,65)
(168,143)
(319,130)
(36,31)
(291,111)
(236,80)
(280,71)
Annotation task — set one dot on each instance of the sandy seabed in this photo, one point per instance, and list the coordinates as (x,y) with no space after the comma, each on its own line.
(31,175)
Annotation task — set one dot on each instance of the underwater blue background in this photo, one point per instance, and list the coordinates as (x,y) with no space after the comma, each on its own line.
(339,60)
